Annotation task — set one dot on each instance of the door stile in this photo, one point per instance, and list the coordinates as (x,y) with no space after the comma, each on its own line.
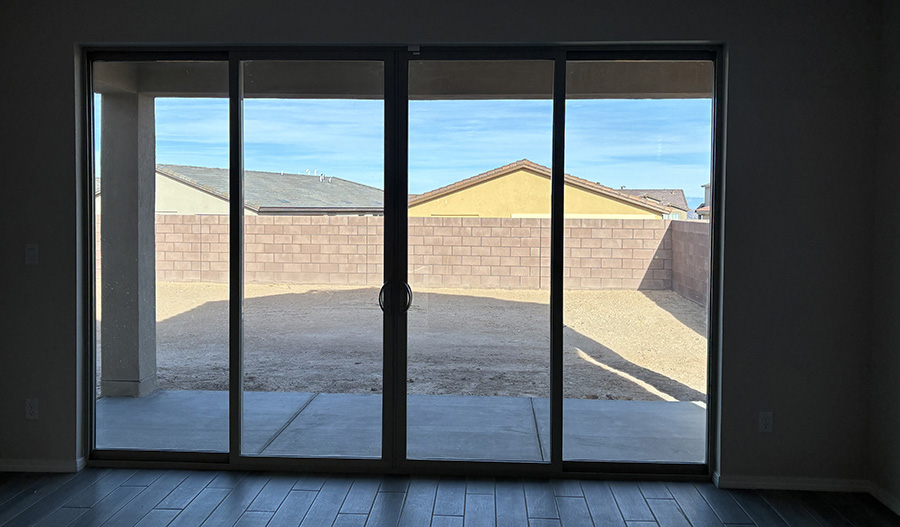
(395,257)
(557,224)
(236,256)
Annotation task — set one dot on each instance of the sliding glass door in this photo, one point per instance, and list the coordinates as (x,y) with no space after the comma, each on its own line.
(478,366)
(405,259)
(313,258)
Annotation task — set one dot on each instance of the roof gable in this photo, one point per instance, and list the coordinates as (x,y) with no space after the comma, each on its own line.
(530,166)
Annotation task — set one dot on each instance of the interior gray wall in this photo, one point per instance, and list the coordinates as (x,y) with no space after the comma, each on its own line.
(801,152)
(885,369)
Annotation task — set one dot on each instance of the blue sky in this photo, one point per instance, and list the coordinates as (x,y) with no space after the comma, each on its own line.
(635,143)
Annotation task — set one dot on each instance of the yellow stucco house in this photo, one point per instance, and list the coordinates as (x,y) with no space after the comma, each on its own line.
(522,190)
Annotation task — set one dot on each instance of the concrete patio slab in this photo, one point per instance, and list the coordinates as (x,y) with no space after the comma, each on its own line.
(186,421)
(439,426)
(472,428)
(637,431)
(333,425)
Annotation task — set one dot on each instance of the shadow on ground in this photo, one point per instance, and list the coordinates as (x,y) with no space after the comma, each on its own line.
(331,341)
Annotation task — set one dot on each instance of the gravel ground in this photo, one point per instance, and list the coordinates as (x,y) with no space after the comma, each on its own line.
(623,345)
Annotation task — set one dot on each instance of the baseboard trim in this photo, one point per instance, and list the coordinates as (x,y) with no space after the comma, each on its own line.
(818,484)
(889,500)
(41,465)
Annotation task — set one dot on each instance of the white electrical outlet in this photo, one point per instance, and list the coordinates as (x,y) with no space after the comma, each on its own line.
(765,421)
(31,409)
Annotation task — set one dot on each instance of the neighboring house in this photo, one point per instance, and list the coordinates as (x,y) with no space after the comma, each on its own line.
(522,190)
(200,190)
(703,211)
(517,190)
(672,198)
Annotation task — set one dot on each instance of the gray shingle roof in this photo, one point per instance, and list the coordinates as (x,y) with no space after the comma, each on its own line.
(272,190)
(665,196)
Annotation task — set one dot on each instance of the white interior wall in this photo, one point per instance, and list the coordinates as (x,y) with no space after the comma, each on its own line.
(800,155)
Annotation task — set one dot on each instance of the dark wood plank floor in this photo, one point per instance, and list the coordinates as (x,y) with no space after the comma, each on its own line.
(155,498)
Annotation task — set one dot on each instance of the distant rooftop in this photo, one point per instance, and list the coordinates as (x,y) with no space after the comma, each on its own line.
(269,191)
(664,196)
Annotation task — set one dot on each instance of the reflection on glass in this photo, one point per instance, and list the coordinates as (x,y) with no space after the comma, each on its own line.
(478,331)
(313,235)
(638,143)
(162,256)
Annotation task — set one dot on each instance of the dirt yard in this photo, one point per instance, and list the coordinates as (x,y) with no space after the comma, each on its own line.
(624,345)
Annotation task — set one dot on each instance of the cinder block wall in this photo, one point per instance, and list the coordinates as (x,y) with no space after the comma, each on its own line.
(690,262)
(443,252)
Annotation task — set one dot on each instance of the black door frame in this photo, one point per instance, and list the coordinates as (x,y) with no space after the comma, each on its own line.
(395,60)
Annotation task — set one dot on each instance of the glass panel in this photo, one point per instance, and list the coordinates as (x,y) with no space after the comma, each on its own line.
(162,256)
(638,146)
(313,234)
(480,145)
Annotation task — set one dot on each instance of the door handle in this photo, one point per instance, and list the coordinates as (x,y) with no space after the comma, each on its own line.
(382,300)
(381,297)
(409,297)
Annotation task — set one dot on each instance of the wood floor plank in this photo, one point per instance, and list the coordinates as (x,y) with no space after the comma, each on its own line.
(479,511)
(818,505)
(94,493)
(310,482)
(200,507)
(158,518)
(15,484)
(227,479)
(271,496)
(667,513)
(631,501)
(539,500)
(325,507)
(419,505)
(566,487)
(394,484)
(449,521)
(187,490)
(573,511)
(142,478)
(293,509)
(61,517)
(852,508)
(693,505)
(254,519)
(878,509)
(757,508)
(642,524)
(361,496)
(386,509)
(451,497)
(722,504)
(602,504)
(41,489)
(149,497)
(350,520)
(479,485)
(789,507)
(237,501)
(107,507)
(654,489)
(53,501)
(510,500)
(543,522)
